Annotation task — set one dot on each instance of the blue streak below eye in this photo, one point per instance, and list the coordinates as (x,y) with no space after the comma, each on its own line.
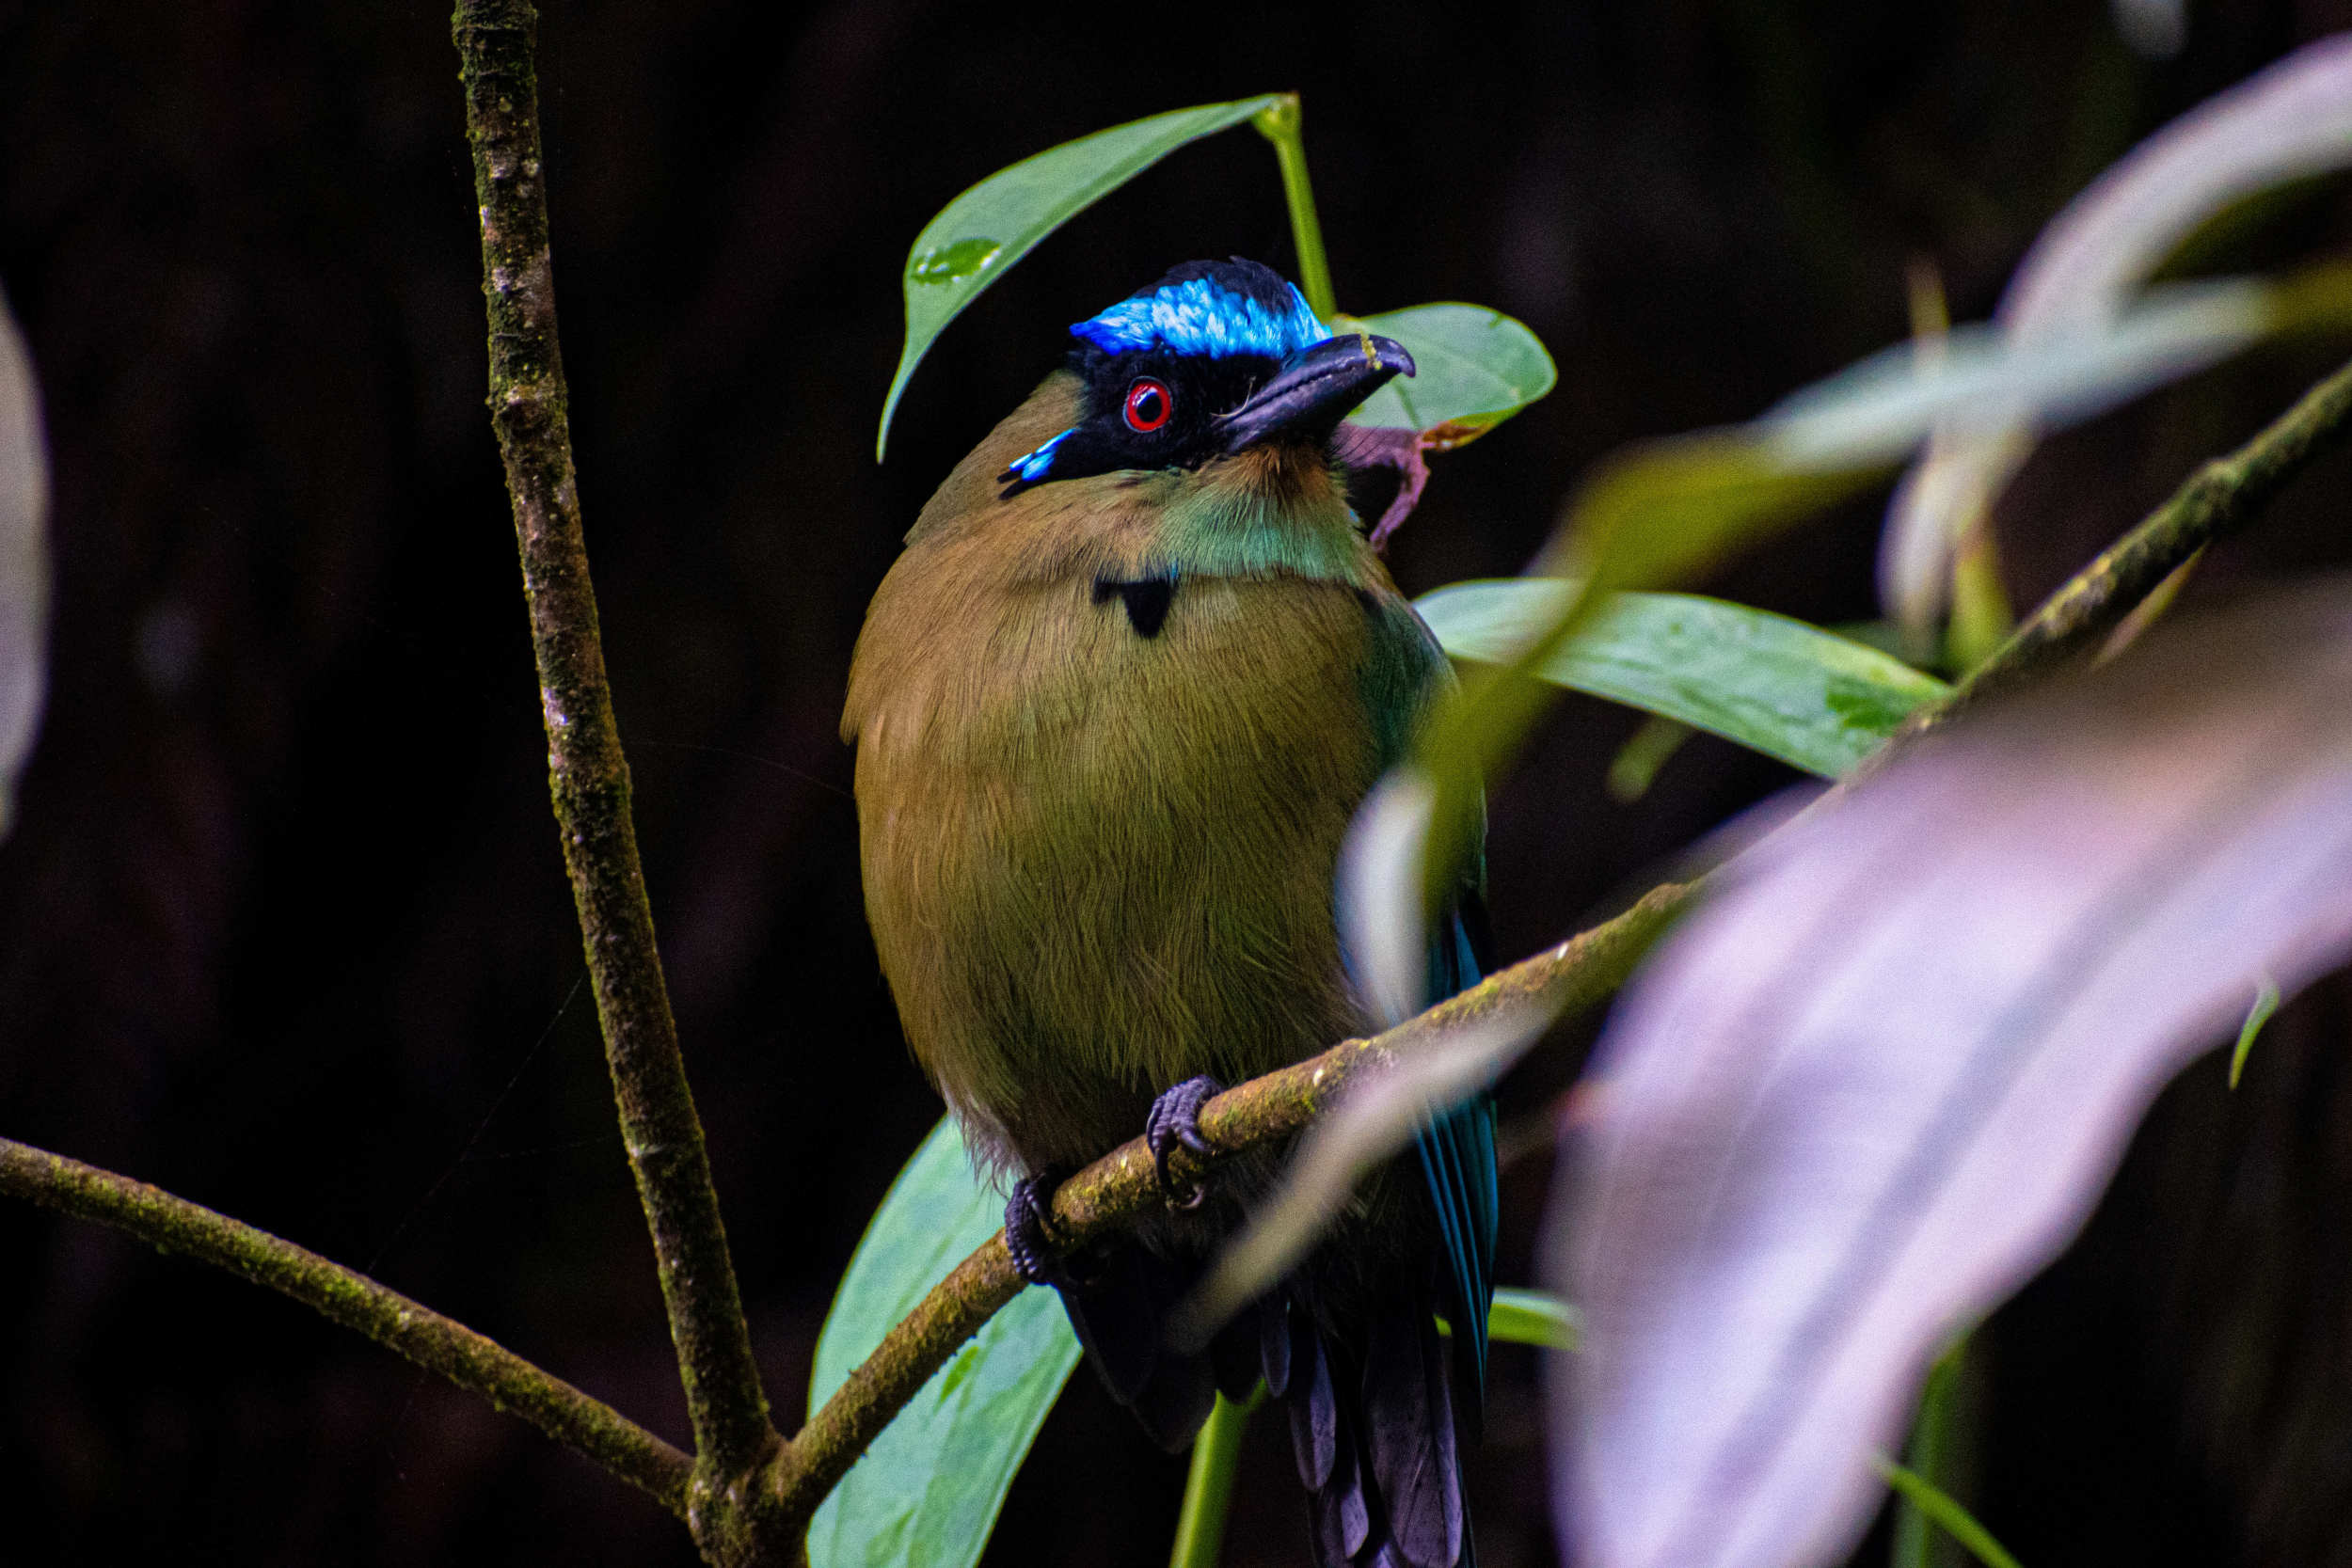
(1032,467)
(1198,316)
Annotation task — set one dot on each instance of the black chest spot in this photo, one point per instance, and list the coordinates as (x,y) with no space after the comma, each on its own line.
(1145,600)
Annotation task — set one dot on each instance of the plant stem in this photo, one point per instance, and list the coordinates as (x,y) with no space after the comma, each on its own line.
(1948,1513)
(587,775)
(1283,126)
(1981,617)
(1209,1484)
(1929,1457)
(468,1360)
(1532,1318)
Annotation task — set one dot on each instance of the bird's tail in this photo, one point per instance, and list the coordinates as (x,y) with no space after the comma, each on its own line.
(1372,1410)
(1372,1428)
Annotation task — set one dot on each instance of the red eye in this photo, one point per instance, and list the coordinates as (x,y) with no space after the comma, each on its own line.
(1148,405)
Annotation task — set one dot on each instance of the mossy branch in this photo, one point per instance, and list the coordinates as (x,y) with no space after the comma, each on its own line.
(2219,500)
(468,1360)
(587,776)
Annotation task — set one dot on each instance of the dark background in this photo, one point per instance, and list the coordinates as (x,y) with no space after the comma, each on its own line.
(284,927)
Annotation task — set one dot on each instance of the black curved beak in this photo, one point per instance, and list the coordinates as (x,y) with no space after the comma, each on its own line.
(1317,388)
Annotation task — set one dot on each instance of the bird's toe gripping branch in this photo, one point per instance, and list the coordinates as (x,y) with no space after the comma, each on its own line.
(1175,1119)
(1029,1229)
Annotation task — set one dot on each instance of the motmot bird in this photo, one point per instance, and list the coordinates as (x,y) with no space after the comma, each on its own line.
(1113,708)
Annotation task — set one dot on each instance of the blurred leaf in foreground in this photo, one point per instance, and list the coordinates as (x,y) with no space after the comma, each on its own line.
(1883,1078)
(2292,121)
(23,561)
(1668,510)
(926,1495)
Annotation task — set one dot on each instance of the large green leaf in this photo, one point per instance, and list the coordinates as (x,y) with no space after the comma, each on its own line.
(1476,368)
(926,1495)
(1790,690)
(977,237)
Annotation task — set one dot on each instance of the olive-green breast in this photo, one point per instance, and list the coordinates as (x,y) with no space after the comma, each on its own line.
(1099,834)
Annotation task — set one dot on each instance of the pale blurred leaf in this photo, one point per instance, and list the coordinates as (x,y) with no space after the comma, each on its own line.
(975,239)
(1883,1076)
(23,561)
(1376,1120)
(2292,121)
(1669,510)
(927,1494)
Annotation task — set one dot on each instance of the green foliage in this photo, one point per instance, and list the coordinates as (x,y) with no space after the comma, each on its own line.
(977,237)
(1475,369)
(1477,366)
(2265,1003)
(927,1494)
(1783,688)
(1939,1505)
(1532,1317)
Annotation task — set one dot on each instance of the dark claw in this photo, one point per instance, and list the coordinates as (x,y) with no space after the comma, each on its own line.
(1029,1229)
(1175,1119)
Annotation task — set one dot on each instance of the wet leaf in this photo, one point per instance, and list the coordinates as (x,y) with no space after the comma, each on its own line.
(981,234)
(927,1494)
(23,561)
(1475,368)
(1884,1075)
(1788,689)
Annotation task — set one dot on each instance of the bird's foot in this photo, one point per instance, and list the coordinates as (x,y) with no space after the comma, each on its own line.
(1174,1121)
(1029,1229)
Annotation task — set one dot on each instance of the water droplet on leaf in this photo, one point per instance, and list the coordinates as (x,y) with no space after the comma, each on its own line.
(948,263)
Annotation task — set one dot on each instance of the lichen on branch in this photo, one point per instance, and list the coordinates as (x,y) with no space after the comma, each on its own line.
(587,775)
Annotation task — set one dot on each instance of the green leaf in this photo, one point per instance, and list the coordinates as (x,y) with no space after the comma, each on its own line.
(927,1494)
(1532,1318)
(1940,1506)
(1477,368)
(2265,1003)
(1781,686)
(977,237)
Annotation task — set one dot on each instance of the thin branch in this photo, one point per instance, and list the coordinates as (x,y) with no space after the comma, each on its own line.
(2219,500)
(587,776)
(1121,1187)
(587,1426)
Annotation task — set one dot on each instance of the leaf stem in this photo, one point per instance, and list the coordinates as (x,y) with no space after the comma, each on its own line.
(1939,1506)
(472,1361)
(587,775)
(1932,1441)
(1209,1484)
(1532,1318)
(1283,126)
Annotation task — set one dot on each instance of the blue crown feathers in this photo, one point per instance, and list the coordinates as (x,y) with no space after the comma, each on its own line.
(1201,315)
